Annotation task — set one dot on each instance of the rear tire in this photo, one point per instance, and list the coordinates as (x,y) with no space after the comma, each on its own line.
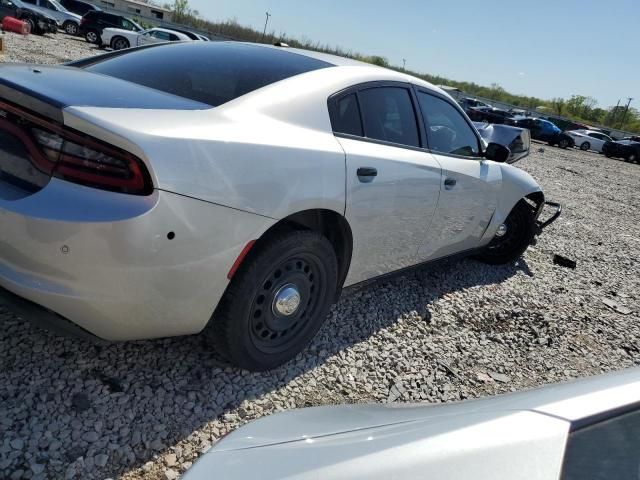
(255,331)
(632,157)
(585,146)
(519,235)
(71,28)
(92,36)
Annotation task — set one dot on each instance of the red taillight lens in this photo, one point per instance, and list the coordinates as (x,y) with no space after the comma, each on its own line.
(76,157)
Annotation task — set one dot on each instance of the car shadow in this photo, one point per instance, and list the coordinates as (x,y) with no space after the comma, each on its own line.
(143,397)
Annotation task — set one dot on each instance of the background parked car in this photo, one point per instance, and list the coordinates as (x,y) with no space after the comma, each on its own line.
(119,39)
(589,139)
(543,130)
(466,103)
(39,21)
(627,149)
(81,8)
(488,114)
(66,20)
(191,35)
(94,22)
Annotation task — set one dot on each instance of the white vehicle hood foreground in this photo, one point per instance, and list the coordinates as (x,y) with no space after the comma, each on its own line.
(515,436)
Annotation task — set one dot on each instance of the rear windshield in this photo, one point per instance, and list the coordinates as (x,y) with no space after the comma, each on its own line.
(209,72)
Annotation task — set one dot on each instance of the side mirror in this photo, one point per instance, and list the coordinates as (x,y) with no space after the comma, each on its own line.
(497,153)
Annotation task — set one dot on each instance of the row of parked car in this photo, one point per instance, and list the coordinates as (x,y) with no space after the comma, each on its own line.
(76,17)
(582,137)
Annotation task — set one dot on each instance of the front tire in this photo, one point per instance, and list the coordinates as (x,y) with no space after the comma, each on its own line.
(563,143)
(276,302)
(120,43)
(585,146)
(632,157)
(520,233)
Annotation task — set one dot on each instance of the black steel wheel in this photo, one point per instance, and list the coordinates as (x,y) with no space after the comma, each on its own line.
(276,302)
(513,237)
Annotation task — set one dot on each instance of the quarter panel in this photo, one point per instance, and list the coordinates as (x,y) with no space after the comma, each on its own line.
(116,273)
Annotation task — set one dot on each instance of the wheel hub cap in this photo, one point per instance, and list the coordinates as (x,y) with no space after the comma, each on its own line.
(502,230)
(286,301)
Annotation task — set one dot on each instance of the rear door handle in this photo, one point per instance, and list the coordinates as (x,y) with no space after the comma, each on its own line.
(449,183)
(367,172)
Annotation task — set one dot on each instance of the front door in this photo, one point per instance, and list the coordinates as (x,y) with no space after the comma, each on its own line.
(470,185)
(392,185)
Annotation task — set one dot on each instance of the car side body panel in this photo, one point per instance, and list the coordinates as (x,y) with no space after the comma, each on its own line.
(479,446)
(521,435)
(105,260)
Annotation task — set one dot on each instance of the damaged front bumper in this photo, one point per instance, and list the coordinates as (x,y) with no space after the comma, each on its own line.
(542,224)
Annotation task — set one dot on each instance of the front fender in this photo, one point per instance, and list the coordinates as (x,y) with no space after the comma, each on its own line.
(516,184)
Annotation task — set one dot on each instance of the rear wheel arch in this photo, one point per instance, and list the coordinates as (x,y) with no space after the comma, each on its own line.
(329,223)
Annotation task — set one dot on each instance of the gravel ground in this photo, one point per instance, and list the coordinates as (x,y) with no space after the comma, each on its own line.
(71,409)
(48,48)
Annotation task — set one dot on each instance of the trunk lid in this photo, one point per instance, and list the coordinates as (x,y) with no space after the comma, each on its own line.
(32,102)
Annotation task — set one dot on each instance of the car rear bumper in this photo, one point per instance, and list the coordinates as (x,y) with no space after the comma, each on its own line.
(105,261)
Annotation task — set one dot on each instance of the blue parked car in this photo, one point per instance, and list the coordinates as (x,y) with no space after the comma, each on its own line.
(543,130)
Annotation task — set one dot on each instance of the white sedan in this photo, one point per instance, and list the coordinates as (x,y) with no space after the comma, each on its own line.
(589,139)
(236,189)
(118,38)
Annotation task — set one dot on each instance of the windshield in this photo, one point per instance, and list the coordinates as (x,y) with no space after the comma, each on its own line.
(58,6)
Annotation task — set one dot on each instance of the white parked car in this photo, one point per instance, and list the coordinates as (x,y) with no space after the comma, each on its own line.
(589,140)
(237,188)
(118,38)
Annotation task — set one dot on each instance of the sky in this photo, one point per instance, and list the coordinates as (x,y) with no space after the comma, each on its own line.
(542,48)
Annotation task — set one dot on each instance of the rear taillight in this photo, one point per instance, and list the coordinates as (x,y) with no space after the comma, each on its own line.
(73,156)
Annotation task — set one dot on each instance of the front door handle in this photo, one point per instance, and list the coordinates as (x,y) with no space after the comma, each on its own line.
(367,172)
(449,183)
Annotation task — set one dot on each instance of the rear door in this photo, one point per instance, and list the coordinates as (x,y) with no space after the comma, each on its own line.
(470,185)
(393,183)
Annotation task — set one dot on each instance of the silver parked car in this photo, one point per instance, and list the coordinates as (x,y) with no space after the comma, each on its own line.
(584,430)
(237,188)
(66,20)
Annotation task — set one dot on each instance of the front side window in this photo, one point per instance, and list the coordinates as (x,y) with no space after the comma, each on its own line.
(447,129)
(388,115)
(346,118)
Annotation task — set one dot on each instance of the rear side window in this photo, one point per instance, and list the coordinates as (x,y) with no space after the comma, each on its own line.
(209,72)
(604,451)
(388,115)
(347,116)
(447,129)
